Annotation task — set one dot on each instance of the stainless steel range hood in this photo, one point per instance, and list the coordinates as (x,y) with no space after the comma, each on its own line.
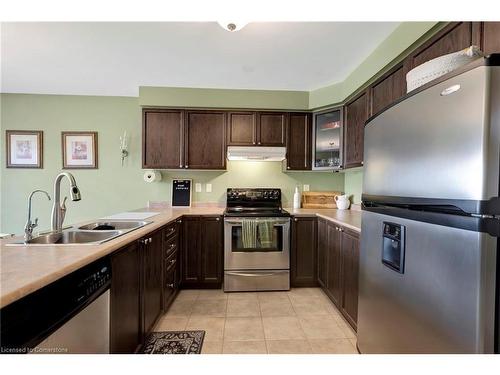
(253,153)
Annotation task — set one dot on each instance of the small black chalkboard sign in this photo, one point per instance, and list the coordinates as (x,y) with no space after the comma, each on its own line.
(181,193)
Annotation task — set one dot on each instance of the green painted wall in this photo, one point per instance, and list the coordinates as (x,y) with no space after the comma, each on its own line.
(353,184)
(403,37)
(223,98)
(113,188)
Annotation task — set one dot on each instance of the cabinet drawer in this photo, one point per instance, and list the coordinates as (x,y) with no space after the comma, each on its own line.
(170,246)
(171,231)
(171,262)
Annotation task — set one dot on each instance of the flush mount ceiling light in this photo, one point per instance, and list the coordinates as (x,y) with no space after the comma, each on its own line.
(232,25)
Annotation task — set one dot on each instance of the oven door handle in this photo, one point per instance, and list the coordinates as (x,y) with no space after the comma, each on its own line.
(276,224)
(252,274)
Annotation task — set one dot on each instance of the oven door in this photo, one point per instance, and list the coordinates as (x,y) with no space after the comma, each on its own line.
(271,254)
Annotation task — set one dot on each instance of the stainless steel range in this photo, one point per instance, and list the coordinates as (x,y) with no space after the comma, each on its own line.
(256,241)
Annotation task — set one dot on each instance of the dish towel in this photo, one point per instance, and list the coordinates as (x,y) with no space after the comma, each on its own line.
(266,233)
(249,233)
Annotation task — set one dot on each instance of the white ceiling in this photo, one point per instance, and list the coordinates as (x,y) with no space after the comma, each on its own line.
(116,58)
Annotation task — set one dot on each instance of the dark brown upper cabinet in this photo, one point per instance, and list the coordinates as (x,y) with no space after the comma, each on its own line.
(452,38)
(271,128)
(162,138)
(355,115)
(298,142)
(490,42)
(180,139)
(242,129)
(205,146)
(388,89)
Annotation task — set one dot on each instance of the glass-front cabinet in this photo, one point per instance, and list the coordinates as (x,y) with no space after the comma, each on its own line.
(327,140)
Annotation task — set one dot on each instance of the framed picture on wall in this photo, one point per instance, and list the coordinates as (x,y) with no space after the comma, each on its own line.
(79,150)
(24,148)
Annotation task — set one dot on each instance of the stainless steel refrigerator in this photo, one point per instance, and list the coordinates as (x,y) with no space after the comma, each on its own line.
(429,258)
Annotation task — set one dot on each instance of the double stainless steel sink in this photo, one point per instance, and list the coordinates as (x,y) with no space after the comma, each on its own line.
(90,234)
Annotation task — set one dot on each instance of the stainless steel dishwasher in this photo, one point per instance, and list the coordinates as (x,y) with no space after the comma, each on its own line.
(71,315)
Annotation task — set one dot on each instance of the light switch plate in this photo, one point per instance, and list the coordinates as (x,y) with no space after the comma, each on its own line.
(208,188)
(305,188)
(197,187)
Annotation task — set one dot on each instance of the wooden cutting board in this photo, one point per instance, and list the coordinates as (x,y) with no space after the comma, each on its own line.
(319,199)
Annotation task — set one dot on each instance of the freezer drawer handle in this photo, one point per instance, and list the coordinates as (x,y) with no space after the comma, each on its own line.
(252,274)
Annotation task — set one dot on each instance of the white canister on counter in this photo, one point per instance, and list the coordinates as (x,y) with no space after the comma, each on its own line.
(342,202)
(296,198)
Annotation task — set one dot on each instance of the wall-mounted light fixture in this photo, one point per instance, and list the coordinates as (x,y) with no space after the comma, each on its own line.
(124,146)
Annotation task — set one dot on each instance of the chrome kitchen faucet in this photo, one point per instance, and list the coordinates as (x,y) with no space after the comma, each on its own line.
(58,209)
(28,228)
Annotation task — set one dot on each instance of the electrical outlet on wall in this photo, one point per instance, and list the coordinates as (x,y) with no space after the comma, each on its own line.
(208,188)
(305,188)
(197,187)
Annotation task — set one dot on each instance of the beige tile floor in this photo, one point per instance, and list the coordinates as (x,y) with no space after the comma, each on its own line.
(300,321)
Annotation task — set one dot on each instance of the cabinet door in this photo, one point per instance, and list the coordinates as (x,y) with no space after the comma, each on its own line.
(298,149)
(125,301)
(162,139)
(356,113)
(152,279)
(491,37)
(271,129)
(211,250)
(170,286)
(388,89)
(303,257)
(205,146)
(334,284)
(191,254)
(242,129)
(453,38)
(350,271)
(322,252)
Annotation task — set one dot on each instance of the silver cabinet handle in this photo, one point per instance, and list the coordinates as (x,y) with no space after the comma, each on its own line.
(217,219)
(179,221)
(295,219)
(186,166)
(259,143)
(180,165)
(287,167)
(170,285)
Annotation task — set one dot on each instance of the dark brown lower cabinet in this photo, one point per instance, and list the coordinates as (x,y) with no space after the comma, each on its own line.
(202,252)
(338,267)
(334,255)
(171,263)
(125,300)
(322,252)
(136,292)
(350,272)
(152,248)
(303,262)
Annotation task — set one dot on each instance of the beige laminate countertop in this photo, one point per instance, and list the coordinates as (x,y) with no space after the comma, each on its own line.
(348,218)
(25,269)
